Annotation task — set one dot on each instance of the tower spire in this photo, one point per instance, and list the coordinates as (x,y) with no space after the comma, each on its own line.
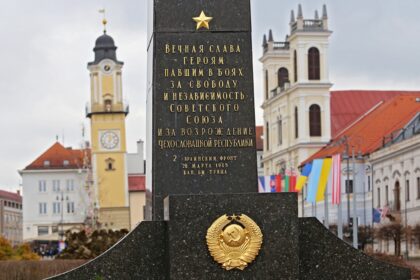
(324,12)
(292,16)
(104,21)
(300,13)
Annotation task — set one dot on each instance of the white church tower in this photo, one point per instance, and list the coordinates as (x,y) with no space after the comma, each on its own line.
(296,93)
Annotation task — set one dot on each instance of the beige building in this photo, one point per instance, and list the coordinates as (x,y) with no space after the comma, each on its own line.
(11,216)
(296,93)
(136,185)
(396,181)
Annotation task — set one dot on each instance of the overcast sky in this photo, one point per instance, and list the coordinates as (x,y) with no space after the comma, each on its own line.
(46,44)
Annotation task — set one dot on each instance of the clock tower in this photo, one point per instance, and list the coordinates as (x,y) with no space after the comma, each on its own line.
(107,113)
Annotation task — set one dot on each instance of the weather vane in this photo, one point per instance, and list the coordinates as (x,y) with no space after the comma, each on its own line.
(104,21)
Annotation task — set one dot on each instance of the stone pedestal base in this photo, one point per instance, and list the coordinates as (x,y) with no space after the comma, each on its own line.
(176,248)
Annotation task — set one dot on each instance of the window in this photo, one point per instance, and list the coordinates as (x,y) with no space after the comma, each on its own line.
(267,133)
(42,208)
(407,190)
(313,64)
(386,195)
(46,163)
(70,185)
(369,184)
(314,120)
(109,162)
(266,84)
(66,162)
(70,207)
(349,186)
(418,187)
(296,123)
(56,185)
(42,186)
(56,207)
(379,197)
(280,131)
(42,230)
(282,77)
(295,65)
(54,229)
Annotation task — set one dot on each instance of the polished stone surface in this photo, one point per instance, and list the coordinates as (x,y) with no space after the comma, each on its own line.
(189,217)
(323,256)
(292,248)
(203,120)
(139,255)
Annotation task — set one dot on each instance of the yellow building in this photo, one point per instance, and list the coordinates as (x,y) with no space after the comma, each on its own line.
(107,113)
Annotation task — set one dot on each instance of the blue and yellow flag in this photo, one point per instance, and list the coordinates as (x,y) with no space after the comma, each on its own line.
(303,176)
(313,180)
(325,173)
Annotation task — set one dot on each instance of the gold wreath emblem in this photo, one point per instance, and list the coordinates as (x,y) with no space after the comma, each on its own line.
(234,241)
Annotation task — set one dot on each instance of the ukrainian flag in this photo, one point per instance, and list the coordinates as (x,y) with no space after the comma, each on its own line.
(303,176)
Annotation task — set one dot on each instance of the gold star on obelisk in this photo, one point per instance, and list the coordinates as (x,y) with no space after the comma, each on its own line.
(202,20)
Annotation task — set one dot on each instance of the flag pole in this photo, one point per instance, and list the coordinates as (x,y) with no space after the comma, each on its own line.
(326,214)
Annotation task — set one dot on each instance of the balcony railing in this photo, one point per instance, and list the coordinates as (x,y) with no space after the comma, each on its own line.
(309,25)
(278,90)
(102,109)
(277,46)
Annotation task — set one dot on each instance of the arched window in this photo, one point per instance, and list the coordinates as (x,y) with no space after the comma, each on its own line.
(283,77)
(267,135)
(313,64)
(397,201)
(314,120)
(296,123)
(279,131)
(295,65)
(266,84)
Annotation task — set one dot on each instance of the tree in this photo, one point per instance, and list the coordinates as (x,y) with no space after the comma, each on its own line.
(416,234)
(21,252)
(393,231)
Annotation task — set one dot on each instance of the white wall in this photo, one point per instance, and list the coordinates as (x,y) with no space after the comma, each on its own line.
(32,197)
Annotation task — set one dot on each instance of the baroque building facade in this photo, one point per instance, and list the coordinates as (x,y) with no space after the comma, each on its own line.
(296,93)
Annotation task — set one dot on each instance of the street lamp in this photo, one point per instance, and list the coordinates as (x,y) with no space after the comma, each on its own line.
(58,198)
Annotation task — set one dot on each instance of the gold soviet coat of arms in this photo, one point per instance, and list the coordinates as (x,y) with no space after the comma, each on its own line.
(234,241)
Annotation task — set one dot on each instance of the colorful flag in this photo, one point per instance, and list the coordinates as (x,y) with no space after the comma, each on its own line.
(261,184)
(376,215)
(336,179)
(292,187)
(303,176)
(278,183)
(325,173)
(313,180)
(272,183)
(286,183)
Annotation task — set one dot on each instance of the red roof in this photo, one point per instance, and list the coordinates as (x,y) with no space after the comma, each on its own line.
(10,196)
(136,183)
(368,133)
(58,157)
(348,105)
(259,140)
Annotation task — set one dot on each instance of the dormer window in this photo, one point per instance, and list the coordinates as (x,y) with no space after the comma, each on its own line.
(66,162)
(46,163)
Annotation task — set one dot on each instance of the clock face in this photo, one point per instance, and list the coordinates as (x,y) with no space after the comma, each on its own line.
(106,66)
(109,140)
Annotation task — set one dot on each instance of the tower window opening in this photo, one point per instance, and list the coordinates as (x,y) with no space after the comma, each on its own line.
(313,64)
(283,77)
(314,120)
(110,166)
(108,105)
(295,65)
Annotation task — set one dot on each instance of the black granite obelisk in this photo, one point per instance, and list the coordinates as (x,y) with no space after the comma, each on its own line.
(201,101)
